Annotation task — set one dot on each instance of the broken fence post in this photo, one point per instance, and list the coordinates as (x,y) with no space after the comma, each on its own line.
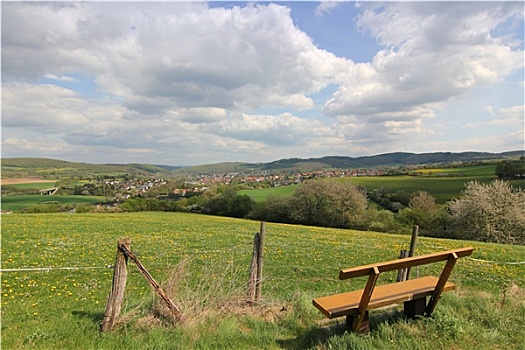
(116,296)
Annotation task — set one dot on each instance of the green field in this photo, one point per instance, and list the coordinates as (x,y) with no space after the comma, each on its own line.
(442,183)
(479,170)
(36,185)
(62,309)
(441,188)
(25,201)
(262,194)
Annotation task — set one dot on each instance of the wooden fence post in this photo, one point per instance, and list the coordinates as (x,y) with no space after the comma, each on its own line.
(252,281)
(260,253)
(116,296)
(412,251)
(256,268)
(402,273)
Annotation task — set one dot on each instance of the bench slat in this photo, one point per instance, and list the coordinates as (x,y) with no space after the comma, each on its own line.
(402,263)
(347,303)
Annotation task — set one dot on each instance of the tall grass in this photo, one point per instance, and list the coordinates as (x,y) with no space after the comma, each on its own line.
(203,262)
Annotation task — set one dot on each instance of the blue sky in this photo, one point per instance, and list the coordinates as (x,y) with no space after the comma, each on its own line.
(188,83)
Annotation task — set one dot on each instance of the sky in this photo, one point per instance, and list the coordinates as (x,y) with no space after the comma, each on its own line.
(189,83)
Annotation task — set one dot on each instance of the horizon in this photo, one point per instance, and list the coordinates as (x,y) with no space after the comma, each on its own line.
(201,83)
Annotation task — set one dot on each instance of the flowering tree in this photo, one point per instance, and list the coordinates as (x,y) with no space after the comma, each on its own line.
(493,212)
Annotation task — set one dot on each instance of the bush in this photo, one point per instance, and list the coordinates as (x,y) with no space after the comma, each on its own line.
(329,204)
(490,213)
(229,204)
(274,209)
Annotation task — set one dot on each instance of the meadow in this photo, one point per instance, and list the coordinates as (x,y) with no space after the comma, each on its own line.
(46,306)
(260,195)
(443,184)
(20,202)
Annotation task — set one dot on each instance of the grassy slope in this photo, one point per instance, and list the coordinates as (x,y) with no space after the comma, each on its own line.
(263,194)
(442,188)
(435,182)
(62,308)
(24,201)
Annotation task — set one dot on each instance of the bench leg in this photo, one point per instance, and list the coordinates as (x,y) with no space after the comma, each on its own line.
(415,307)
(364,326)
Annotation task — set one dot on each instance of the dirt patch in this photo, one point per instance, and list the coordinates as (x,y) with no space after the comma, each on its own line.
(24,180)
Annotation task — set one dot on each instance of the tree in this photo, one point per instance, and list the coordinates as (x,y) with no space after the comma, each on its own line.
(421,210)
(229,204)
(511,169)
(492,212)
(274,209)
(423,201)
(330,204)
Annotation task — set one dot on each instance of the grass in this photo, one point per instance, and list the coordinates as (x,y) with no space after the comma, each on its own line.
(209,259)
(262,194)
(35,185)
(20,202)
(443,184)
(478,170)
(442,189)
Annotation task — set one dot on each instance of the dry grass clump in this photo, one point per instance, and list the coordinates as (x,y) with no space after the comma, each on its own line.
(221,294)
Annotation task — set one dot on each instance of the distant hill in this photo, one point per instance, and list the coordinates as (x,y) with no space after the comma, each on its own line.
(52,168)
(396,159)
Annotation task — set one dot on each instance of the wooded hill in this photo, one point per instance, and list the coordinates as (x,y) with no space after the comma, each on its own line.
(53,168)
(397,159)
(48,168)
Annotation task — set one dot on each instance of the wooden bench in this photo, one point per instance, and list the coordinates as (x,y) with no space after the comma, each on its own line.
(413,293)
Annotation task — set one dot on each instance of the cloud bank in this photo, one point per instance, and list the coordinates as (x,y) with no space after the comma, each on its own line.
(191,83)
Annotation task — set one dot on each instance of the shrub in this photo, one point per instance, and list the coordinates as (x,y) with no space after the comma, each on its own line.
(490,213)
(329,204)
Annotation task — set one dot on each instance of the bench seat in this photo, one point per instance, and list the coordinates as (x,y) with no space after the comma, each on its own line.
(347,303)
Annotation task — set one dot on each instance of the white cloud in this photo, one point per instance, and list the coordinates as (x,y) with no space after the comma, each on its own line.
(512,116)
(433,52)
(326,7)
(189,83)
(192,55)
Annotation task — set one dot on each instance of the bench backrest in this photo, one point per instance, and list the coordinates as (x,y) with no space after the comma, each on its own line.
(402,263)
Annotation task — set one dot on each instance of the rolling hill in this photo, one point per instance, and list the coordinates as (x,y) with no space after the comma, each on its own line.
(397,159)
(48,168)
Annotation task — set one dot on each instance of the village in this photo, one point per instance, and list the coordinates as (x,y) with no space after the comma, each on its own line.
(203,182)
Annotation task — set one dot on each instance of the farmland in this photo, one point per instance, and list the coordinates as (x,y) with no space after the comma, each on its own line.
(442,183)
(28,182)
(62,309)
(25,201)
(261,195)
